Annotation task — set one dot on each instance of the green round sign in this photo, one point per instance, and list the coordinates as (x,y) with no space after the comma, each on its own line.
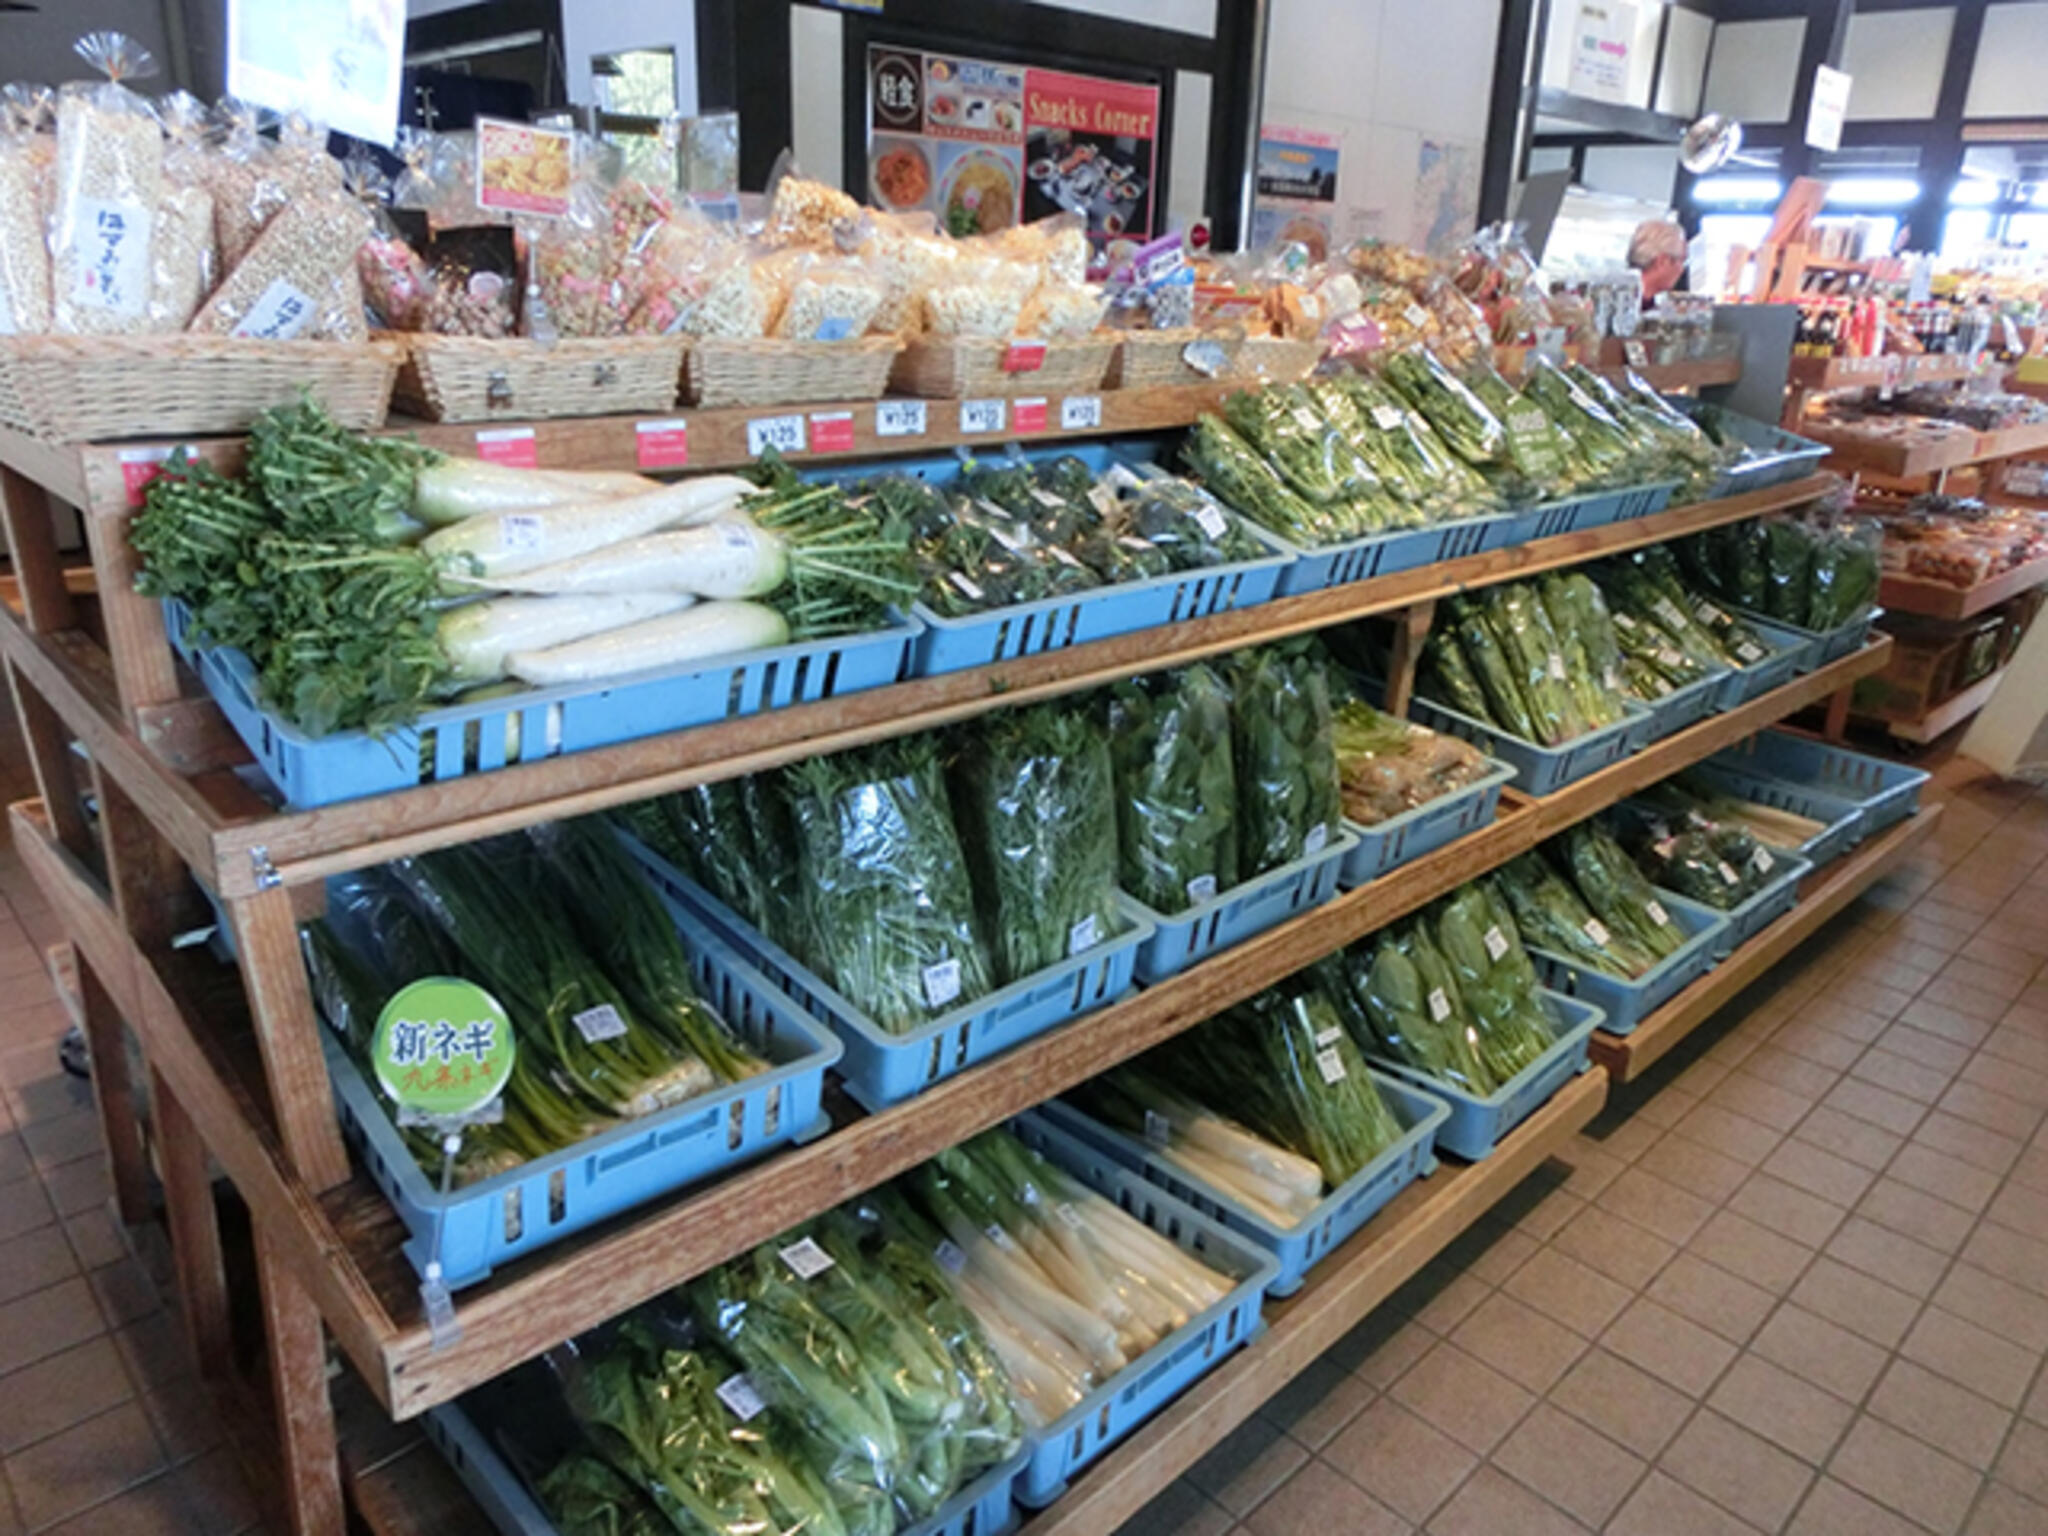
(443,1047)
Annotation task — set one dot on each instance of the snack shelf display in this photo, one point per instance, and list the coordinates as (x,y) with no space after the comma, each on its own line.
(1937,600)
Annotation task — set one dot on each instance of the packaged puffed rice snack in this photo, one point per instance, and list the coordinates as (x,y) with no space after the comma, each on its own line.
(905,253)
(676,258)
(805,212)
(833,298)
(1058,311)
(286,286)
(1059,244)
(979,298)
(391,274)
(24,175)
(184,263)
(109,177)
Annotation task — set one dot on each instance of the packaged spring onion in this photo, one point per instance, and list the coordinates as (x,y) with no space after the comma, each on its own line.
(1245,482)
(1286,759)
(1176,789)
(1460,418)
(1496,979)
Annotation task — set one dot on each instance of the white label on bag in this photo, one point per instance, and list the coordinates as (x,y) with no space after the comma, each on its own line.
(785,434)
(1328,1037)
(1637,354)
(1331,1065)
(1439,1005)
(1597,931)
(900,418)
(1387,418)
(1084,935)
(1078,413)
(967,588)
(1158,1129)
(1046,498)
(950,1258)
(1496,943)
(1668,657)
(995,1234)
(1761,860)
(111,240)
(982,416)
(1307,419)
(1202,888)
(1526,423)
(1315,840)
(1103,499)
(942,983)
(1555,667)
(279,313)
(1658,915)
(1728,874)
(521,533)
(1416,316)
(806,1259)
(738,1394)
(599,1023)
(1211,520)
(1667,610)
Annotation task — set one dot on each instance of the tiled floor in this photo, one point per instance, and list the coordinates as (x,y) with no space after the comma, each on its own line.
(1795,1282)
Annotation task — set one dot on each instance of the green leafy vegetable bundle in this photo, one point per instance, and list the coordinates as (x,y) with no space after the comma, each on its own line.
(1555,917)
(1816,572)
(1286,758)
(1682,841)
(1526,659)
(1176,788)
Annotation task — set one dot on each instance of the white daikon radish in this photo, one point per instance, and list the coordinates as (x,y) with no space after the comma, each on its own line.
(479,636)
(731,558)
(449,490)
(707,629)
(483,549)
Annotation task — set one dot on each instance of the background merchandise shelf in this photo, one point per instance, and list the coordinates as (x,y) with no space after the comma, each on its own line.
(1938,600)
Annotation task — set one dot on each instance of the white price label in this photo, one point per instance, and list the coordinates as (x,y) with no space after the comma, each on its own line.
(995,1234)
(600,1023)
(1761,861)
(1728,874)
(806,1259)
(738,1394)
(1315,839)
(1526,423)
(942,983)
(1158,1129)
(521,533)
(1307,419)
(110,241)
(785,434)
(982,416)
(1085,934)
(1439,1005)
(1387,418)
(1667,657)
(1597,931)
(1416,316)
(1211,520)
(279,313)
(1331,1065)
(1329,1036)
(1080,413)
(968,587)
(1496,943)
(1658,915)
(1202,888)
(900,418)
(1750,652)
(1069,1217)
(1555,666)
(1637,354)
(950,1258)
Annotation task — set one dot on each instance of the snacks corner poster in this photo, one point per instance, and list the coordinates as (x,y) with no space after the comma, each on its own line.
(1296,189)
(983,145)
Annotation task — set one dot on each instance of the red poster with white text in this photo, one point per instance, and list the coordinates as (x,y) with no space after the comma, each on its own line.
(1091,146)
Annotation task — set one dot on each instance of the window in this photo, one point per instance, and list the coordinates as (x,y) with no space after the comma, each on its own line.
(1716,191)
(1973,192)
(1963,232)
(639,82)
(1872,191)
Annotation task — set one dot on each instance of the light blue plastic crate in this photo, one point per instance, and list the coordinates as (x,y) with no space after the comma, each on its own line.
(1842,817)
(1773,456)
(1247,908)
(1300,1247)
(466,739)
(1686,706)
(984,1507)
(1788,650)
(881,1068)
(1542,770)
(1389,844)
(496,1220)
(1314,570)
(1645,500)
(1627,1003)
(1779,895)
(1591,509)
(1475,1125)
(1822,645)
(1887,792)
(1130,1397)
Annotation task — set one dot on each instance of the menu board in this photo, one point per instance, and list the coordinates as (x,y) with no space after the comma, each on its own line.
(984,145)
(1296,188)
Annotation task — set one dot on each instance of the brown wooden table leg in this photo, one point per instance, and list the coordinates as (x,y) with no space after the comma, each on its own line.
(309,1459)
(1837,726)
(1411,628)
(113,1091)
(195,1233)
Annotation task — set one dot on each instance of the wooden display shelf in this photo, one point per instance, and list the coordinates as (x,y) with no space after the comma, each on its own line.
(343,1245)
(1824,893)
(1900,370)
(1938,600)
(1948,714)
(1912,461)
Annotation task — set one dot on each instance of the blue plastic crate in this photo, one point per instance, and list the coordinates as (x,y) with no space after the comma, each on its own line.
(1788,650)
(1541,770)
(881,1068)
(1686,706)
(1645,500)
(1822,645)
(1475,1126)
(984,1507)
(1778,896)
(1314,570)
(1389,844)
(1627,1003)
(1591,509)
(1300,1247)
(466,739)
(1887,792)
(1247,908)
(1732,773)
(496,1220)
(1772,456)
(1130,1397)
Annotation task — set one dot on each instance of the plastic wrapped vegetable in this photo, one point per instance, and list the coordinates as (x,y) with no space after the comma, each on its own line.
(1170,739)
(1537,460)
(1242,479)
(1387,767)
(1286,759)
(1788,560)
(1843,576)
(891,906)
(1476,642)
(1552,916)
(1037,802)
(1412,1020)
(1458,415)
(1511,1028)
(1615,889)
(1535,656)
(1594,432)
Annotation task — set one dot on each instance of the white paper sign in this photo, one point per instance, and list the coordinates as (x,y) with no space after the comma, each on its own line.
(336,63)
(900,418)
(806,1259)
(1830,106)
(600,1023)
(1603,38)
(941,983)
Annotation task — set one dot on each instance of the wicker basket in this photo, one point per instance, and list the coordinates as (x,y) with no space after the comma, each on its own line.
(74,389)
(770,372)
(472,378)
(1148,359)
(945,370)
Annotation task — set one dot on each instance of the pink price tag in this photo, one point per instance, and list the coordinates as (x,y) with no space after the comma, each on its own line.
(832,432)
(1027,416)
(513,446)
(139,466)
(1024,357)
(662,444)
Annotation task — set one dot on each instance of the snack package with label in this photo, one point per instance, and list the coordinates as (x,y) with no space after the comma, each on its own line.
(569,264)
(233,173)
(1058,311)
(183,258)
(109,178)
(906,254)
(289,285)
(809,213)
(831,298)
(25,155)
(392,274)
(979,297)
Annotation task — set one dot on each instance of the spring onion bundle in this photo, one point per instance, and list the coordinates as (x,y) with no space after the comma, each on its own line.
(1554,916)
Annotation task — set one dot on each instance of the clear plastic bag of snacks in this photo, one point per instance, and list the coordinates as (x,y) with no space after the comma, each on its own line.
(472,285)
(289,285)
(673,260)
(109,181)
(1058,244)
(25,156)
(831,298)
(806,212)
(1059,311)
(906,254)
(183,260)
(234,174)
(568,264)
(978,298)
(392,275)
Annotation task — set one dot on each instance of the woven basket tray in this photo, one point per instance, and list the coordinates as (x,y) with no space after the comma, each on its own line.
(770,372)
(471,378)
(1147,359)
(74,389)
(944,370)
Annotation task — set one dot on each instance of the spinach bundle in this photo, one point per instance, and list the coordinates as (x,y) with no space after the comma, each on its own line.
(735,839)
(1496,980)
(1176,791)
(1286,756)
(1553,916)
(1615,889)
(1037,801)
(892,919)
(1244,481)
(1411,1021)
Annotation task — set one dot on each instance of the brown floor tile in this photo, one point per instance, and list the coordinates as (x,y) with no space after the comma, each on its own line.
(1807,1219)
(1732,1135)
(1739,1471)
(1934,1052)
(183,1433)
(1710,1296)
(1833,1509)
(1400,1459)
(1890,1256)
(23,1208)
(1825,1353)
(1866,1145)
(1818,1172)
(1319,1402)
(2009,1255)
(2001,1512)
(1674,1349)
(1992,1151)
(1786,1069)
(34,1261)
(1823,1047)
(46,1322)
(1936,1173)
(39,1400)
(213,1489)
(1580,1471)
(1182,1510)
(1949,1418)
(1656,1206)
(1247,1466)
(85,1465)
(1490,1502)
(1884,1109)
(2023,1464)
(1982,1361)
(1468,1400)
(1519,1342)
(1905,1475)
(1569,1292)
(154,1508)
(1317,1498)
(1766,1103)
(1624,1403)
(1925,1218)
(1756,1253)
(1791,1413)
(1663,1506)
(1993,1110)
(1996,1304)
(1879,1312)
(1619,1249)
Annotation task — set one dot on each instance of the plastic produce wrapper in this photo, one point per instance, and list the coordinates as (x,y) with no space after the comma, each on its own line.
(1302,443)
(109,178)
(286,286)
(890,899)
(1286,757)
(906,255)
(1537,458)
(1615,889)
(1243,480)
(1406,1028)
(1176,788)
(1458,415)
(1038,819)
(1496,980)
(25,155)
(1843,574)
(979,297)
(831,298)
(1682,845)
(1553,916)
(1387,767)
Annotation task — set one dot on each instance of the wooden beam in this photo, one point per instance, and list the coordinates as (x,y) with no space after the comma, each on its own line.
(26,513)
(298,1384)
(113,1092)
(1411,629)
(195,1234)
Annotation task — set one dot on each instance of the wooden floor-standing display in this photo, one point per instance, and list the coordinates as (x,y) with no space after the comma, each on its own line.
(139,798)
